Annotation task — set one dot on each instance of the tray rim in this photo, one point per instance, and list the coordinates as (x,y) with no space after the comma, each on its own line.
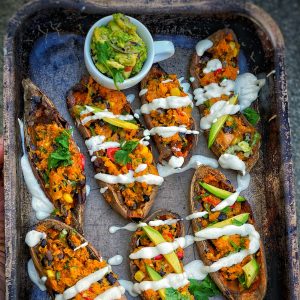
(246,9)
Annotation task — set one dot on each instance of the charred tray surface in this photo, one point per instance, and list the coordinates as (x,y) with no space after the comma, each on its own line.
(45,43)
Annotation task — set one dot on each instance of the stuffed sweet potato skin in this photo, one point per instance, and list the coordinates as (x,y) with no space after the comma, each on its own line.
(157,215)
(165,151)
(229,289)
(112,194)
(57,225)
(196,70)
(39,109)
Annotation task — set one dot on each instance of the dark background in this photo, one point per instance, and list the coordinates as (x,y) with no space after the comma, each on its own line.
(285,13)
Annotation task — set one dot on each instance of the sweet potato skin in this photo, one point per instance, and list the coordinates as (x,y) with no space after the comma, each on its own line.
(257,290)
(164,152)
(60,226)
(112,195)
(195,72)
(39,108)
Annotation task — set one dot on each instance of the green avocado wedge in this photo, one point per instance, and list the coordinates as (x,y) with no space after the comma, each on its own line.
(251,270)
(217,126)
(236,220)
(222,194)
(155,277)
(157,238)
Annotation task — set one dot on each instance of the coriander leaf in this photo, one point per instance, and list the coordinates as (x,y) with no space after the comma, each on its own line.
(234,245)
(203,289)
(122,157)
(172,294)
(251,115)
(129,146)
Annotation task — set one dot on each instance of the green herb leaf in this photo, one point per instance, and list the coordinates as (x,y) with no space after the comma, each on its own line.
(251,115)
(203,289)
(57,275)
(63,234)
(61,156)
(242,280)
(172,294)
(234,245)
(122,155)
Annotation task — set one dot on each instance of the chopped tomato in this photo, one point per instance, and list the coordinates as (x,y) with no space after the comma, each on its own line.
(218,71)
(158,257)
(212,200)
(111,153)
(128,69)
(82,161)
(129,166)
(180,253)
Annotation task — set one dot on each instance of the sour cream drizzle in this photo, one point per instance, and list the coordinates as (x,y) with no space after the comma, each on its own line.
(166,103)
(113,293)
(39,201)
(169,131)
(243,183)
(196,215)
(84,284)
(212,65)
(102,114)
(33,237)
(129,178)
(233,162)
(216,111)
(195,161)
(115,260)
(143,92)
(202,46)
(176,162)
(34,276)
(81,246)
(163,248)
(128,286)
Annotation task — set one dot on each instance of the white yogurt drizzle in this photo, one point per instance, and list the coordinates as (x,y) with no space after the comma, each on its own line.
(33,237)
(233,162)
(39,201)
(135,226)
(115,260)
(34,276)
(212,65)
(213,90)
(167,80)
(247,87)
(202,46)
(170,281)
(93,143)
(195,161)
(196,215)
(81,246)
(102,114)
(129,178)
(128,286)
(192,79)
(143,92)
(169,131)
(103,190)
(113,293)
(166,103)
(83,284)
(216,111)
(176,162)
(163,248)
(243,183)
(140,168)
(130,98)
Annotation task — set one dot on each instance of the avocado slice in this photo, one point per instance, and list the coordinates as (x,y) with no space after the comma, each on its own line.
(156,237)
(251,270)
(155,277)
(222,194)
(240,219)
(217,126)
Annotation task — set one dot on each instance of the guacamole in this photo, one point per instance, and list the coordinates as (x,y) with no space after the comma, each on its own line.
(117,49)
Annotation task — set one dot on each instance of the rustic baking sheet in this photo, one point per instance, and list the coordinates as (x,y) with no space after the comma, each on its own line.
(45,43)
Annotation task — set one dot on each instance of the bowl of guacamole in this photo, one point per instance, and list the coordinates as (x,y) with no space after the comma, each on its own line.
(118,51)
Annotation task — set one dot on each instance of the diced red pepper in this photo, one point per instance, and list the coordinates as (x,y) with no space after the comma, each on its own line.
(111,153)
(211,200)
(129,166)
(158,257)
(82,161)
(180,253)
(218,71)
(128,69)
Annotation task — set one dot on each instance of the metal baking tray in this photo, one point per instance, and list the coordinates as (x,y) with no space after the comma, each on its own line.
(45,42)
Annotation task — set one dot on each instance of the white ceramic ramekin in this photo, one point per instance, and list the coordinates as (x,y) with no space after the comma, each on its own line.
(156,51)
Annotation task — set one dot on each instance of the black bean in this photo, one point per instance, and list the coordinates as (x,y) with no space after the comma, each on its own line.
(70,243)
(107,105)
(146,198)
(101,123)
(43,243)
(100,281)
(222,217)
(97,99)
(111,279)
(228,181)
(227,129)
(162,273)
(44,262)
